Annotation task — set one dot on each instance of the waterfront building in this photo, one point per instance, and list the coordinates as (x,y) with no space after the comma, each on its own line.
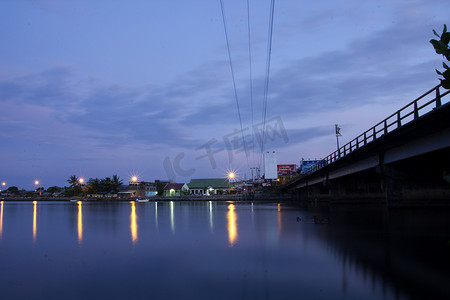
(211,186)
(174,189)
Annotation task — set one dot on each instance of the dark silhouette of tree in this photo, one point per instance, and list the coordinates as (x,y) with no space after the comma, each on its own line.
(75,186)
(73,181)
(103,185)
(13,190)
(441,47)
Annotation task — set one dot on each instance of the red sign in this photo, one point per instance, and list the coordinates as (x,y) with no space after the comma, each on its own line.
(286,169)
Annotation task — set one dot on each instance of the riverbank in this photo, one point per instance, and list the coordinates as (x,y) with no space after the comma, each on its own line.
(254,197)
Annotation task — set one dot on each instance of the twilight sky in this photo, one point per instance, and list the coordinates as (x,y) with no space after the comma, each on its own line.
(96,88)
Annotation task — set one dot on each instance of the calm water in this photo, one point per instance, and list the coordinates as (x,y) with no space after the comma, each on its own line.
(220,250)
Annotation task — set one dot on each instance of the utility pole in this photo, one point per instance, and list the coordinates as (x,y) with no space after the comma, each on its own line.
(338,134)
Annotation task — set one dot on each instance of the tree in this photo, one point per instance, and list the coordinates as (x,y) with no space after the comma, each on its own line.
(441,47)
(54,189)
(73,181)
(75,186)
(13,190)
(116,182)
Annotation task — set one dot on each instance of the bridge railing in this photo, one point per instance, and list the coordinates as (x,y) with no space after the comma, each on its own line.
(401,117)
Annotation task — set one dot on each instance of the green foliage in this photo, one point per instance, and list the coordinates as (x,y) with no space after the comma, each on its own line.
(108,184)
(75,187)
(13,190)
(441,47)
(54,189)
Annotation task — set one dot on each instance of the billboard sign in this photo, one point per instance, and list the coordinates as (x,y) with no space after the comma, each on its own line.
(270,165)
(284,170)
(306,165)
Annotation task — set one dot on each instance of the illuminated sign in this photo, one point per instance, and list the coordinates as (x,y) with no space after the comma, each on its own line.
(286,169)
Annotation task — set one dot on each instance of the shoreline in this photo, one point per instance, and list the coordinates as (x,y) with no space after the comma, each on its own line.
(261,197)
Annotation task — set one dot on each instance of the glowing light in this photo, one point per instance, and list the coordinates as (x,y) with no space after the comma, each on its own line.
(231,175)
(81,180)
(1,219)
(36,182)
(133,223)
(156,213)
(134,178)
(80,222)
(3,183)
(34,220)
(232,225)
(172,216)
(211,224)
(279,220)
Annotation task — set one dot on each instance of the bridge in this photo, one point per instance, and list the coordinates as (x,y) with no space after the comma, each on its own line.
(402,160)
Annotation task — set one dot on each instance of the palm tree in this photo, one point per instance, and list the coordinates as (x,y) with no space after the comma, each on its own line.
(116,182)
(73,180)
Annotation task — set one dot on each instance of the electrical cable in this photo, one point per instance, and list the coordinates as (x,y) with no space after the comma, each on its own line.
(233,78)
(267,76)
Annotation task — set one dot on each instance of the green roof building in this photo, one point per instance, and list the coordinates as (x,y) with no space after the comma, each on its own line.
(211,186)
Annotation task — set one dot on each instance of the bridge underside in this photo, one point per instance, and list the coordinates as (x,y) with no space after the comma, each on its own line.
(408,167)
(421,180)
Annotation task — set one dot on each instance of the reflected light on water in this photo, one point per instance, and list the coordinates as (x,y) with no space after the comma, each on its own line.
(1,219)
(80,222)
(133,224)
(280,224)
(34,220)
(210,216)
(232,225)
(172,217)
(156,214)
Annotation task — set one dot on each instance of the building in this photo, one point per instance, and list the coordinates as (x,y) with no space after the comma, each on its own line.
(286,172)
(206,187)
(175,189)
(146,189)
(270,165)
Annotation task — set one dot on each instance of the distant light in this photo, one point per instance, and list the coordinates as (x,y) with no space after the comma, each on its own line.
(81,180)
(134,178)
(36,182)
(231,175)
(3,183)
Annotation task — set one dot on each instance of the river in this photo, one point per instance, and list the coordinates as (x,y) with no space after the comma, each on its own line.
(221,250)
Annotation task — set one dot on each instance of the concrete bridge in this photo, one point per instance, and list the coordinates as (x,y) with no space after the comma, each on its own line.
(402,160)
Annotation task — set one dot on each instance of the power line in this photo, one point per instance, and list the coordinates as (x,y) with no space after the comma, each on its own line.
(250,61)
(267,76)
(233,78)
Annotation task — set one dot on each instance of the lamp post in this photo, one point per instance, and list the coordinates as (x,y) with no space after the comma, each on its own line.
(338,134)
(135,179)
(81,181)
(36,182)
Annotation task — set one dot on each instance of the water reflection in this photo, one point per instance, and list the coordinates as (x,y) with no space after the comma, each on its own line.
(1,219)
(133,225)
(80,222)
(232,225)
(34,220)
(210,216)
(279,219)
(172,217)
(390,255)
(156,214)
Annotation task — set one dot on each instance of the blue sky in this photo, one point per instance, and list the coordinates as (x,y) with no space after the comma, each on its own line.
(96,88)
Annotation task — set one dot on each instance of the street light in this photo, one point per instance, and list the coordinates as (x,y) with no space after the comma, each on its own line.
(36,182)
(81,181)
(135,179)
